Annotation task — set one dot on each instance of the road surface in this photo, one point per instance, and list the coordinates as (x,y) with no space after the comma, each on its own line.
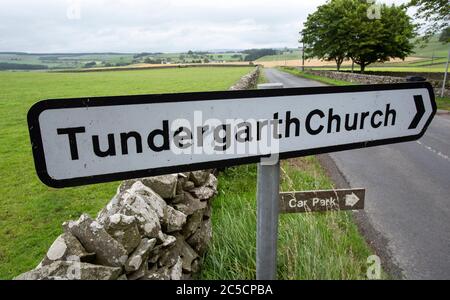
(408,193)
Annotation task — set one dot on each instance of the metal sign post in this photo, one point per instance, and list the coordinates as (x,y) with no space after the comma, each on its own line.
(268,187)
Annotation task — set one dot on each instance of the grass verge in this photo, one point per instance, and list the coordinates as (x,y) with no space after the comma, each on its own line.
(297,72)
(310,245)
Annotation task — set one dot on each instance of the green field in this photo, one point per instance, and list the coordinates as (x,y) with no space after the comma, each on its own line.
(79,60)
(31,213)
(310,246)
(285,55)
(65,61)
(432,48)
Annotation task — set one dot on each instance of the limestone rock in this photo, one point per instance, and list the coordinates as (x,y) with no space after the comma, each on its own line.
(71,270)
(124,229)
(147,218)
(193,223)
(182,178)
(190,204)
(157,274)
(207,212)
(189,185)
(139,273)
(140,255)
(94,238)
(66,247)
(178,198)
(199,177)
(203,192)
(212,182)
(168,241)
(137,189)
(149,196)
(195,266)
(176,270)
(200,239)
(169,256)
(188,255)
(164,185)
(174,220)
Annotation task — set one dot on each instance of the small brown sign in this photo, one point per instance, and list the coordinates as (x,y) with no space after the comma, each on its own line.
(322,200)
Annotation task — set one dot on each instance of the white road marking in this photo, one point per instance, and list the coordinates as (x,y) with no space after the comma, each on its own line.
(434,151)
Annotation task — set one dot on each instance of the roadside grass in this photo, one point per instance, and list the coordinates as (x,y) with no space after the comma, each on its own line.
(31,213)
(299,73)
(310,245)
(441,103)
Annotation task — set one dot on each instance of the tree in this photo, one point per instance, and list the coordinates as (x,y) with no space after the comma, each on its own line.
(435,13)
(445,36)
(342,29)
(325,32)
(379,40)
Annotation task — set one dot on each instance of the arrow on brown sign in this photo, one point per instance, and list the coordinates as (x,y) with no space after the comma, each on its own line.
(322,200)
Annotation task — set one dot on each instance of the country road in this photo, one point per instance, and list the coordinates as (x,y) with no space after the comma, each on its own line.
(407,196)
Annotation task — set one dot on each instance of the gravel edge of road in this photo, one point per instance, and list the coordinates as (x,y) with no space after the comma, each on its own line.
(374,238)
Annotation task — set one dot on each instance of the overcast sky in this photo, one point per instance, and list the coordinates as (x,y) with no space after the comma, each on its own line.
(148,25)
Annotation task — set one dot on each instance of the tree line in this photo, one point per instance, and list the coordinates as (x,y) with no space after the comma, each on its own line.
(359,31)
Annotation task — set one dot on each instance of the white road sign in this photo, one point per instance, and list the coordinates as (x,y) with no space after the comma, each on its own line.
(90,140)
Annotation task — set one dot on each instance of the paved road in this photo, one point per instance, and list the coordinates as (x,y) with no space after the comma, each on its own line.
(408,193)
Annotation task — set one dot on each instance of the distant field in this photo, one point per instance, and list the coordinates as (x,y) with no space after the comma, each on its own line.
(64,61)
(31,213)
(432,48)
(89,60)
(286,55)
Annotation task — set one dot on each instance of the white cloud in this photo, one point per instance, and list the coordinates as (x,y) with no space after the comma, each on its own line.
(148,25)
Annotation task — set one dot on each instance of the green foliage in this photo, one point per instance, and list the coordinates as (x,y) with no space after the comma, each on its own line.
(310,246)
(325,33)
(444,37)
(254,54)
(434,13)
(13,66)
(443,103)
(342,29)
(31,213)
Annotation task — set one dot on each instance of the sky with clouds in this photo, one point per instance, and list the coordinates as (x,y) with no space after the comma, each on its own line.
(150,26)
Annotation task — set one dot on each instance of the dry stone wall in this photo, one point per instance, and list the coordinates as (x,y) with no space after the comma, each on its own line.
(372,79)
(153,228)
(247,81)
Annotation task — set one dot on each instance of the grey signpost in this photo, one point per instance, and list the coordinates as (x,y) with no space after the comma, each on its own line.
(268,184)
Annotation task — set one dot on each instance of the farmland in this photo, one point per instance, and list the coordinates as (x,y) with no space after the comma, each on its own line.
(31,213)
(55,61)
(427,57)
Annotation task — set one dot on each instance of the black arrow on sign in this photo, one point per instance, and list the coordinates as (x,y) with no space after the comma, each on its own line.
(418,100)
